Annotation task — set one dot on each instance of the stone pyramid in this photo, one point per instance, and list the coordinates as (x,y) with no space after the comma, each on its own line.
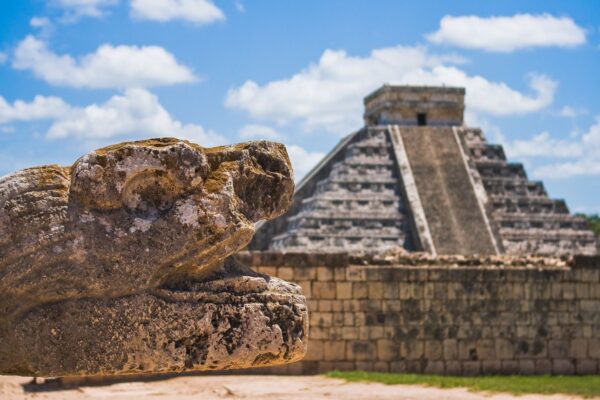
(416,178)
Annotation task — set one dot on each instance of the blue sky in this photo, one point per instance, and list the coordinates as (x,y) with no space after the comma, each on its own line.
(79,74)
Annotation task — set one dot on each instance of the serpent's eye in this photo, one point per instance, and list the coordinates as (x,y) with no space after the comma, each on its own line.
(150,193)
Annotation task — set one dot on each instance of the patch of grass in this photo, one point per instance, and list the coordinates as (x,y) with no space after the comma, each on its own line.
(585,386)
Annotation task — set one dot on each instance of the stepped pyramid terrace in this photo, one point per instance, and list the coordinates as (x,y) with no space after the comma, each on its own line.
(417,178)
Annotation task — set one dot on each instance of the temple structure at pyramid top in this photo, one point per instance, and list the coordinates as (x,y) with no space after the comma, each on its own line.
(415,177)
(415,105)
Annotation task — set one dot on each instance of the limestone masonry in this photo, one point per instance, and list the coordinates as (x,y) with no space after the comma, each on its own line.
(459,315)
(415,177)
(120,263)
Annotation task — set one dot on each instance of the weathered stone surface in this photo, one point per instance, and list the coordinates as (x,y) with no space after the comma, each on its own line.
(116,264)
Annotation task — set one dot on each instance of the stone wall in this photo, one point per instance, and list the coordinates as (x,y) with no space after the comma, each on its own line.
(446,315)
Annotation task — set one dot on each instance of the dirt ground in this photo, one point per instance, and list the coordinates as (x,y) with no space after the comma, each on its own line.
(246,387)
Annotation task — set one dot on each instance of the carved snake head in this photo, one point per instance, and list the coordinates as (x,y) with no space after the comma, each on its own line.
(119,263)
(138,214)
(175,206)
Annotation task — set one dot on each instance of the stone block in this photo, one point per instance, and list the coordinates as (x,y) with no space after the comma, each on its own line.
(586,367)
(344,290)
(376,332)
(286,273)
(558,348)
(315,350)
(390,290)
(428,290)
(467,350)
(360,290)
(364,365)
(363,333)
(450,349)
(361,350)
(375,290)
(325,305)
(305,273)
(486,349)
(356,273)
(491,367)
(414,349)
(471,368)
(563,367)
(594,347)
(324,290)
(335,333)
(334,350)
(306,288)
(318,332)
(453,368)
(344,366)
(381,366)
(321,319)
(415,366)
(543,367)
(398,366)
(526,367)
(324,273)
(387,350)
(579,348)
(349,333)
(583,290)
(510,367)
(434,367)
(348,319)
(337,306)
(434,350)
(339,274)
(504,349)
(326,366)
(338,319)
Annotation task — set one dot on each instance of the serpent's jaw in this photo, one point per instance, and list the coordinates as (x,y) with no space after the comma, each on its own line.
(235,318)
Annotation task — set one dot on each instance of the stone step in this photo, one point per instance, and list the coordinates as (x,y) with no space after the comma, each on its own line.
(455,219)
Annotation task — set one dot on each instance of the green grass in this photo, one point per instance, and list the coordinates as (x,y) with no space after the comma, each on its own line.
(585,386)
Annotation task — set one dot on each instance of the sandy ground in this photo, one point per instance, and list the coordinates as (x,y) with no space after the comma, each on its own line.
(246,387)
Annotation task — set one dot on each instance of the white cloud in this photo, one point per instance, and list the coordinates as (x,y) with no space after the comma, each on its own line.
(506,34)
(75,9)
(196,11)
(303,161)
(39,22)
(43,24)
(581,153)
(543,145)
(108,67)
(136,113)
(7,129)
(494,98)
(328,95)
(253,131)
(40,108)
(571,112)
(3,57)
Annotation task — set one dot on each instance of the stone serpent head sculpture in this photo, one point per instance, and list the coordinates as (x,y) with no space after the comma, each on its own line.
(119,264)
